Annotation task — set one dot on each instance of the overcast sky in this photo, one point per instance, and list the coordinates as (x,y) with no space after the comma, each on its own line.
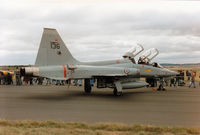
(98,30)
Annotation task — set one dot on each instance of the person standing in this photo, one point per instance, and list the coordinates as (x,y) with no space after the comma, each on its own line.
(172,82)
(188,74)
(199,80)
(48,81)
(161,86)
(31,80)
(1,76)
(192,80)
(18,79)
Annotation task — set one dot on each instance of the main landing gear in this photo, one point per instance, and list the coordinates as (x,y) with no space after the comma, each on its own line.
(117,89)
(87,86)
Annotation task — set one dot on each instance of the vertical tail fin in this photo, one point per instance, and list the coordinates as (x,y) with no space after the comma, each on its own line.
(52,50)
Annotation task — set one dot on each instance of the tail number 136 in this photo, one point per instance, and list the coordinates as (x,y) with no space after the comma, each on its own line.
(55,45)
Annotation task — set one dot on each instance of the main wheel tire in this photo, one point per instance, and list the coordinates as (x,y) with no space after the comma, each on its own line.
(87,86)
(116,93)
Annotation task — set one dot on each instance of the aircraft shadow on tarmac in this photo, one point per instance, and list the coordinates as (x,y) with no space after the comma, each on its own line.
(72,95)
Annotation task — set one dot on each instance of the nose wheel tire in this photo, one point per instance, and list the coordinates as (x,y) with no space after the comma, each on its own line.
(116,93)
(87,86)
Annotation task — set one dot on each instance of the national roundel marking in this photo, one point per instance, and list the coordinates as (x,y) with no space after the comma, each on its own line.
(126,70)
(118,61)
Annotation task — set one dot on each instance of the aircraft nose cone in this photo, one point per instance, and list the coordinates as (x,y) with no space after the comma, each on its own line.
(170,73)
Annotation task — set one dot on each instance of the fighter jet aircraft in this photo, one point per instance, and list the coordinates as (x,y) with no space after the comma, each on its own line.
(55,61)
(6,76)
(5,73)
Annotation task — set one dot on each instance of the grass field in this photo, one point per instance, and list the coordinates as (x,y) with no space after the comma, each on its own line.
(66,128)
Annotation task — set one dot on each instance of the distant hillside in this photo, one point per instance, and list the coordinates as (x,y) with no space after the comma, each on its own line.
(186,64)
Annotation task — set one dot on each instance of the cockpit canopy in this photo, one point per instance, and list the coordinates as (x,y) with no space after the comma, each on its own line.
(147,56)
(134,51)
